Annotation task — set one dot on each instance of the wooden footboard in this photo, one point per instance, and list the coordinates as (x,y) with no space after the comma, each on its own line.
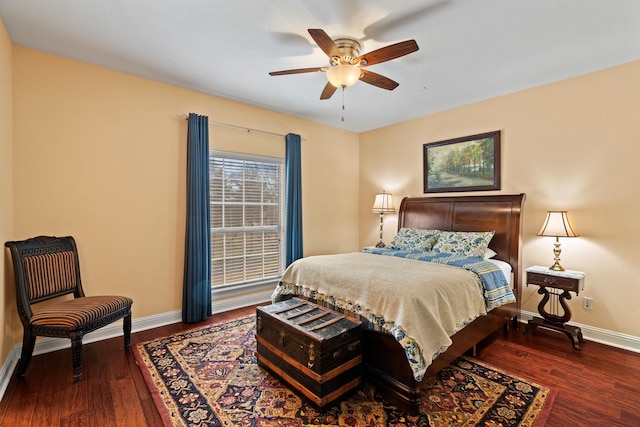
(386,364)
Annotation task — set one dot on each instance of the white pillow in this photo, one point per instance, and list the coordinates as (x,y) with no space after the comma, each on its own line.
(489,253)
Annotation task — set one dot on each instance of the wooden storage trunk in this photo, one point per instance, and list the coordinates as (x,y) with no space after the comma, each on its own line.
(316,350)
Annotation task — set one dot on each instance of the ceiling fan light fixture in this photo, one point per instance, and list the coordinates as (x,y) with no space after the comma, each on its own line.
(343,75)
(347,65)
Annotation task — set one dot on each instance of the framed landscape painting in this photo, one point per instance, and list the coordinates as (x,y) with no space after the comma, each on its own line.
(469,163)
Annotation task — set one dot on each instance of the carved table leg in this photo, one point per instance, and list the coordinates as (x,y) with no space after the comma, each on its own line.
(554,321)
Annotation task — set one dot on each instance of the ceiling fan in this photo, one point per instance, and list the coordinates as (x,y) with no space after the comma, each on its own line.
(347,65)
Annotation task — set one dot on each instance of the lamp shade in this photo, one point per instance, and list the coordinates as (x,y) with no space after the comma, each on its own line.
(383,203)
(343,75)
(558,224)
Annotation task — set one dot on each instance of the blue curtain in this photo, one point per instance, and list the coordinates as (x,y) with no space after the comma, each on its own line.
(293,199)
(196,293)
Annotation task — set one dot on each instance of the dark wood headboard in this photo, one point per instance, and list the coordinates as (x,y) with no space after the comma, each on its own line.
(501,213)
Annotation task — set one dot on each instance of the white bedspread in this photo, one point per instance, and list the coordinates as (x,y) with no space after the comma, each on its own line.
(421,303)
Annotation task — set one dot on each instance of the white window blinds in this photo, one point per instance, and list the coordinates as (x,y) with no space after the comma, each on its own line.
(247,218)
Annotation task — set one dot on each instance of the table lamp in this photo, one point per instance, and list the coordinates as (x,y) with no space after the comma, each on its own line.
(382,204)
(557,224)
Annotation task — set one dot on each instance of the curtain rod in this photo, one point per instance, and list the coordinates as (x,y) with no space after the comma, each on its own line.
(243,128)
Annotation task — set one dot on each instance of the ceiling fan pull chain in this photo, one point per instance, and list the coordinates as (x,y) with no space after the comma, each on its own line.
(343,103)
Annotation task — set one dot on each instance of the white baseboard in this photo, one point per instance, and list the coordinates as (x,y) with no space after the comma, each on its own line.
(245,301)
(47,345)
(7,369)
(599,335)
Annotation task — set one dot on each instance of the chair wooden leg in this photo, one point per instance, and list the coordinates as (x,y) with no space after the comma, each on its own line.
(28,343)
(127,331)
(76,358)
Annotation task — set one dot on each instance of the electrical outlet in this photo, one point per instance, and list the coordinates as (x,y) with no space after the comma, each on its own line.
(587,303)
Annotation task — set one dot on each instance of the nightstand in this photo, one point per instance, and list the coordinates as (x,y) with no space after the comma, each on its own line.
(555,287)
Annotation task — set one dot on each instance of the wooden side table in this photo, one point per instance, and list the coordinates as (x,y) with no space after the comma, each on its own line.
(555,287)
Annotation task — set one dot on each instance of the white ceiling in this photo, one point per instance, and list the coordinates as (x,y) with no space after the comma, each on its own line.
(470,50)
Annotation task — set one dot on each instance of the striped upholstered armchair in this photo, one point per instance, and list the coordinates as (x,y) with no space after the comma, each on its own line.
(46,268)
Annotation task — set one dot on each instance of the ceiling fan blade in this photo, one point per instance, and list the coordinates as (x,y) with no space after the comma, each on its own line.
(296,71)
(325,42)
(328,91)
(378,80)
(388,52)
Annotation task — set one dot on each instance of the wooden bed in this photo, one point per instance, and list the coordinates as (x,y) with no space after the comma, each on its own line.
(500,213)
(385,361)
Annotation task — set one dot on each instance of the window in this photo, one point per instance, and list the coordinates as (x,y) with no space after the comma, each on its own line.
(247,219)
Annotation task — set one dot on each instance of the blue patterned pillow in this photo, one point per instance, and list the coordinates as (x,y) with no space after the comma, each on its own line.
(415,239)
(467,243)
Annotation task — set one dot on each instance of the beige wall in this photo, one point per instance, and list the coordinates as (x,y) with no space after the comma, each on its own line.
(100,155)
(7,296)
(568,145)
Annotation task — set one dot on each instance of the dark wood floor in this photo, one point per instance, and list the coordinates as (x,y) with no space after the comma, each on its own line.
(598,386)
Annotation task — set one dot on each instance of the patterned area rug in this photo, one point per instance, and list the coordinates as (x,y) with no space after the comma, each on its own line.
(209,377)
